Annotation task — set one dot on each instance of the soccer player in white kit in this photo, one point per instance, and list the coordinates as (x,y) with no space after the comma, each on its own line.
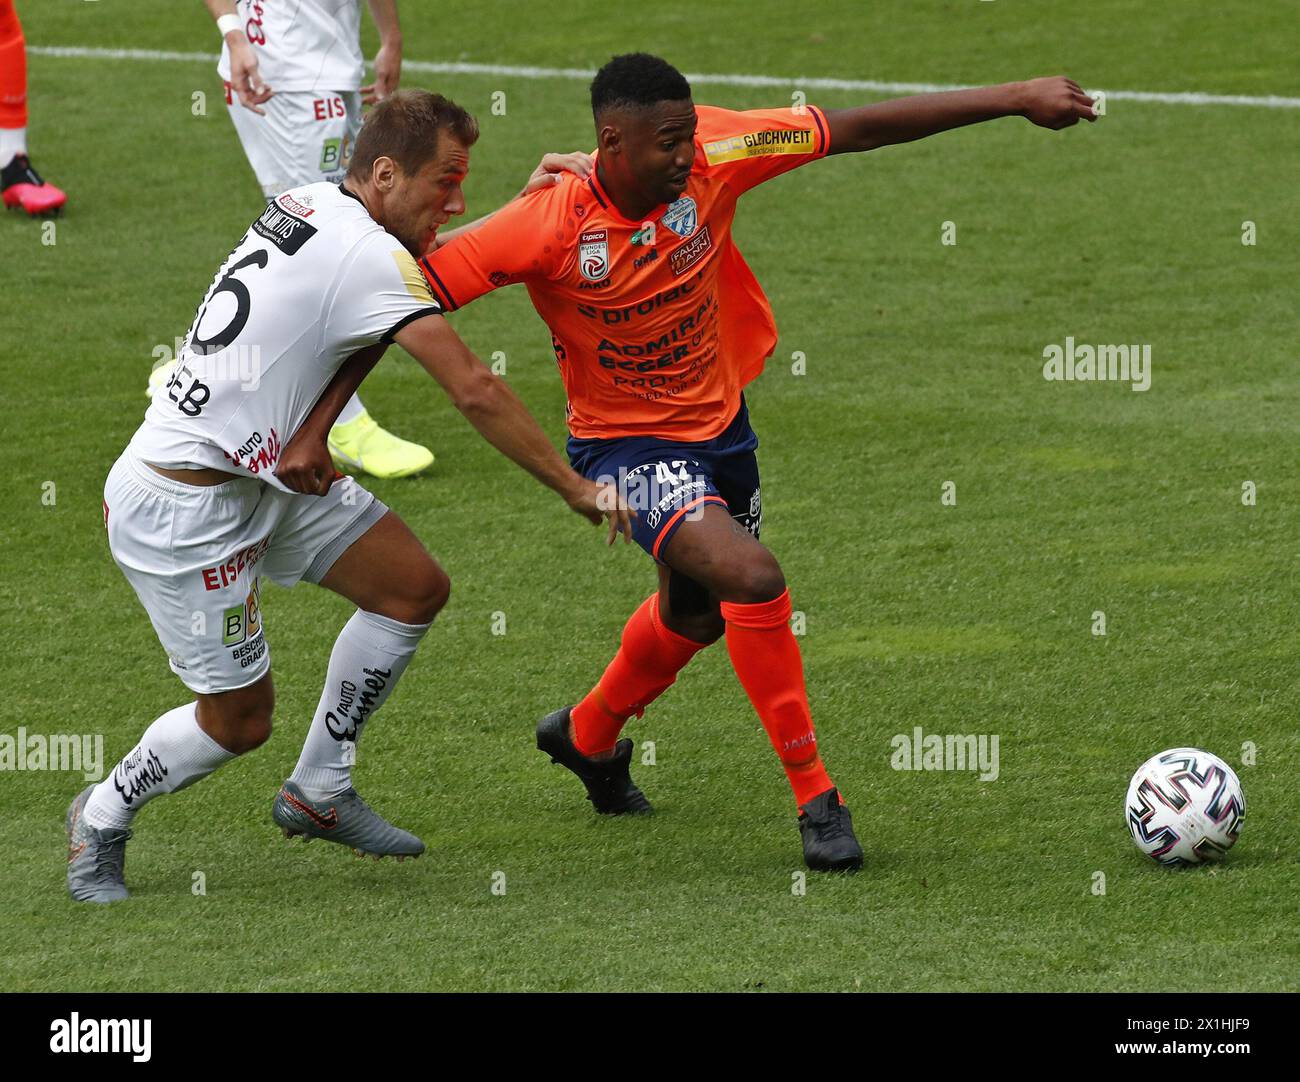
(293,71)
(208,496)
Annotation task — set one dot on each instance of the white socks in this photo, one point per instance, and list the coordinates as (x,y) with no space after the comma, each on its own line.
(173,753)
(13,141)
(369,657)
(351,411)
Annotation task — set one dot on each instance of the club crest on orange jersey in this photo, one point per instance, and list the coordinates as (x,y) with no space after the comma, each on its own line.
(681,217)
(593,254)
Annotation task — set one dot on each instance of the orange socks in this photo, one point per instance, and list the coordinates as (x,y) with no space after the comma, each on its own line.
(645,666)
(766,657)
(13,69)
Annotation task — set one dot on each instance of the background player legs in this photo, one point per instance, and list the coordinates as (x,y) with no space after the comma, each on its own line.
(20,184)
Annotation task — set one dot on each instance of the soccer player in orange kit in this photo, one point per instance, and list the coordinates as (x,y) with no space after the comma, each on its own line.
(20,184)
(657,325)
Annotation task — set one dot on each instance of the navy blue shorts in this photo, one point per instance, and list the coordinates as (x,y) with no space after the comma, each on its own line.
(667,483)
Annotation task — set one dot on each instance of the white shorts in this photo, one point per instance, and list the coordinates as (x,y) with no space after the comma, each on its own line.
(194,555)
(305,136)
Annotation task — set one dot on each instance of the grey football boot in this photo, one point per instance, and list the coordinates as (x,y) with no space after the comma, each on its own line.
(96,858)
(346,819)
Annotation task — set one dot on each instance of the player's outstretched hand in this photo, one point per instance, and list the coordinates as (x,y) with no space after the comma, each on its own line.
(553,166)
(305,466)
(245,79)
(1056,102)
(595,502)
(388,72)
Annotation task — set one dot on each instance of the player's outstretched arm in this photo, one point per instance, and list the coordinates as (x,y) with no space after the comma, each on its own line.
(503,420)
(245,79)
(547,174)
(483,397)
(1055,102)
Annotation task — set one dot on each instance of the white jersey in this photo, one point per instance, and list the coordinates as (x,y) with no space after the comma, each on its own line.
(314,280)
(302,44)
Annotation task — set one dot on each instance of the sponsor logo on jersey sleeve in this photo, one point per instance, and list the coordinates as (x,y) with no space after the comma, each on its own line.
(760,143)
(681,216)
(593,254)
(416,283)
(286,231)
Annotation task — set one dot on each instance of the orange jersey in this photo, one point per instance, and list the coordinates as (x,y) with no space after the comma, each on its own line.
(656,324)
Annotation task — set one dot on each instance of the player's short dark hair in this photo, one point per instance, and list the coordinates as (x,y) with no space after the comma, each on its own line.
(636,80)
(408,127)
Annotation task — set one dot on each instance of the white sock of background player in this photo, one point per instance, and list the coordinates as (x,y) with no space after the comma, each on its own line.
(13,141)
(173,753)
(369,657)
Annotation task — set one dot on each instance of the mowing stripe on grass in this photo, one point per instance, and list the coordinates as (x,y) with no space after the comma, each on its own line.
(1190,97)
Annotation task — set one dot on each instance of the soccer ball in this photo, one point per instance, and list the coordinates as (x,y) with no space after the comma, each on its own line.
(1184,807)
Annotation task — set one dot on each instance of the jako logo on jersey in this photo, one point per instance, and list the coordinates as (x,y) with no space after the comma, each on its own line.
(680,216)
(593,255)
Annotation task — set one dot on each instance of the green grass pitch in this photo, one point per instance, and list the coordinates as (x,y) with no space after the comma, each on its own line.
(923,366)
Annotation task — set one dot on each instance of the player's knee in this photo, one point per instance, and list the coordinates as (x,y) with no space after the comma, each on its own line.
(239,720)
(426,595)
(756,579)
(706,627)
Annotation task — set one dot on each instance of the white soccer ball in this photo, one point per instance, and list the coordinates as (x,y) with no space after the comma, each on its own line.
(1185,806)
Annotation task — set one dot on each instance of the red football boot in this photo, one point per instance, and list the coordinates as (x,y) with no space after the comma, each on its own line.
(23,187)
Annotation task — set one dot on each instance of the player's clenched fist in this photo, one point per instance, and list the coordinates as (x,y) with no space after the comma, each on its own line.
(1055,102)
(305,465)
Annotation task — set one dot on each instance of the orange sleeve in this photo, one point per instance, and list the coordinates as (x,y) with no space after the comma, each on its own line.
(509,247)
(745,149)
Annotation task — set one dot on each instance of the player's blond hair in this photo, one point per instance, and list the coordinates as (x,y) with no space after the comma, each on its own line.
(408,127)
